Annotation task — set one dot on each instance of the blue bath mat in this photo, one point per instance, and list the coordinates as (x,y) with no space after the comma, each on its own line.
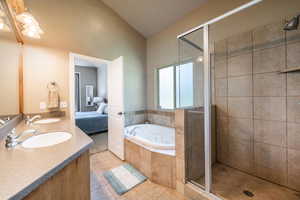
(124,178)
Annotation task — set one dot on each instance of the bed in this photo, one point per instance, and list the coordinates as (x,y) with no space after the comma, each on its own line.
(91,122)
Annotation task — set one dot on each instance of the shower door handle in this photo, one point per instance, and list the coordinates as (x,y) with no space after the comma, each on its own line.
(120,113)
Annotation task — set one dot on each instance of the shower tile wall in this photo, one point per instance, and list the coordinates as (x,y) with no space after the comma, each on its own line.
(164,118)
(135,117)
(258,109)
(160,117)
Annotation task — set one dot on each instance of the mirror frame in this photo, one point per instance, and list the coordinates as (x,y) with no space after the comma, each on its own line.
(18,7)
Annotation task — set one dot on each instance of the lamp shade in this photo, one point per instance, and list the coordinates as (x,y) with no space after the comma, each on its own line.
(98,99)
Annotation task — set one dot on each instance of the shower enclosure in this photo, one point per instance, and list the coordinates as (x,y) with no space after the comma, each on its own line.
(239,140)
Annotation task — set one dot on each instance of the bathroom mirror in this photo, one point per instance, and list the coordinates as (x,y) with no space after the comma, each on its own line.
(10,65)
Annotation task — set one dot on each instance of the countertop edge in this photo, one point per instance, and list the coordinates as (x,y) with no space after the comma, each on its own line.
(23,193)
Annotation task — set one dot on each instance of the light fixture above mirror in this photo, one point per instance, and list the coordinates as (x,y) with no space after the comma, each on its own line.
(22,21)
(29,25)
(4,24)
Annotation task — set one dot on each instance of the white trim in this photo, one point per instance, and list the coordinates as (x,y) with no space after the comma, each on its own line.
(207,111)
(79,91)
(236,10)
(72,57)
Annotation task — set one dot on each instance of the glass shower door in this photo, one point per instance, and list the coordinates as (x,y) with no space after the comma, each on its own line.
(191,60)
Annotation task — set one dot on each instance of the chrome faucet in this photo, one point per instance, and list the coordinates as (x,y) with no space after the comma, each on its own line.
(12,139)
(132,132)
(2,122)
(29,121)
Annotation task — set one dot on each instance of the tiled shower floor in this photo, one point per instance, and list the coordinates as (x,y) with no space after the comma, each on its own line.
(101,190)
(230,184)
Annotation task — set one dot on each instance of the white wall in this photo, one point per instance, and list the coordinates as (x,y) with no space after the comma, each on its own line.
(102,81)
(162,48)
(84,27)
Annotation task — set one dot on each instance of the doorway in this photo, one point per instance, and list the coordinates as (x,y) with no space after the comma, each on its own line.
(94,107)
(77,92)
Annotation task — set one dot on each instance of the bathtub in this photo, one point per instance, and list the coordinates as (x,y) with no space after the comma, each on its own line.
(151,149)
(152,136)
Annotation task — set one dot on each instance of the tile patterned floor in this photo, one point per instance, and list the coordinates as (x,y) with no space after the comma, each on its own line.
(230,184)
(101,190)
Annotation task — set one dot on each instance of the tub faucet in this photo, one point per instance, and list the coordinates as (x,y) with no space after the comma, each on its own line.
(132,132)
(29,121)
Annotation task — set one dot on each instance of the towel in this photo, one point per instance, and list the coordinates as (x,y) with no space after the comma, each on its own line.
(53,98)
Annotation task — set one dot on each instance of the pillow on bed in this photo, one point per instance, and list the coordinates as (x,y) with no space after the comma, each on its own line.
(101,108)
(105,111)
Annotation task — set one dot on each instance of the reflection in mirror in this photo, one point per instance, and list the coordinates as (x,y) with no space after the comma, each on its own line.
(9,70)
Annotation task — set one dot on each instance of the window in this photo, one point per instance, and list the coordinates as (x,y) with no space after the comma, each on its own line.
(166,87)
(182,86)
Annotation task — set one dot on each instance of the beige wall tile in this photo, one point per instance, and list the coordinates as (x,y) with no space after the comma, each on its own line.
(221,68)
(180,187)
(221,107)
(220,49)
(293,136)
(240,86)
(241,155)
(269,84)
(180,170)
(270,108)
(269,155)
(293,84)
(221,87)
(163,169)
(239,43)
(222,125)
(222,147)
(269,60)
(179,142)
(294,169)
(293,58)
(269,35)
(293,109)
(270,132)
(179,119)
(240,128)
(270,162)
(240,65)
(240,107)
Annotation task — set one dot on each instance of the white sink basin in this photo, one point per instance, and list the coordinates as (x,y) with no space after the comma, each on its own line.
(47,121)
(47,139)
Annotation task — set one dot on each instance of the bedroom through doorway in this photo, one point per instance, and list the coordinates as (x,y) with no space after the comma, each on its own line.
(90,99)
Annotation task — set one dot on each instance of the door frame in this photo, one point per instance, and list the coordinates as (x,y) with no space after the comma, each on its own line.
(79,90)
(72,57)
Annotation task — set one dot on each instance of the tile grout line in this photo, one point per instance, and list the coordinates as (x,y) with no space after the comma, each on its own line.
(227,102)
(286,108)
(253,110)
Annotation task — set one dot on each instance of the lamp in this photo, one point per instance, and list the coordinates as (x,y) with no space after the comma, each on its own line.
(97,100)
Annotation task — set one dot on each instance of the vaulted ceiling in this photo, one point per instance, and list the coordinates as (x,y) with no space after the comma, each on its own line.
(151,16)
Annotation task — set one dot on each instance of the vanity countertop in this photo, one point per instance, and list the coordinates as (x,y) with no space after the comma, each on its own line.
(23,170)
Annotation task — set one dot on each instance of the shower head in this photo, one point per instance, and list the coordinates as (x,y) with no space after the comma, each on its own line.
(292,24)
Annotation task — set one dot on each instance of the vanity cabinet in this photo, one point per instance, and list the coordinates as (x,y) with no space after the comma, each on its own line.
(70,183)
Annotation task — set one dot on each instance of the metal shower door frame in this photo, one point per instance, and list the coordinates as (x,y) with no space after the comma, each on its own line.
(207,94)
